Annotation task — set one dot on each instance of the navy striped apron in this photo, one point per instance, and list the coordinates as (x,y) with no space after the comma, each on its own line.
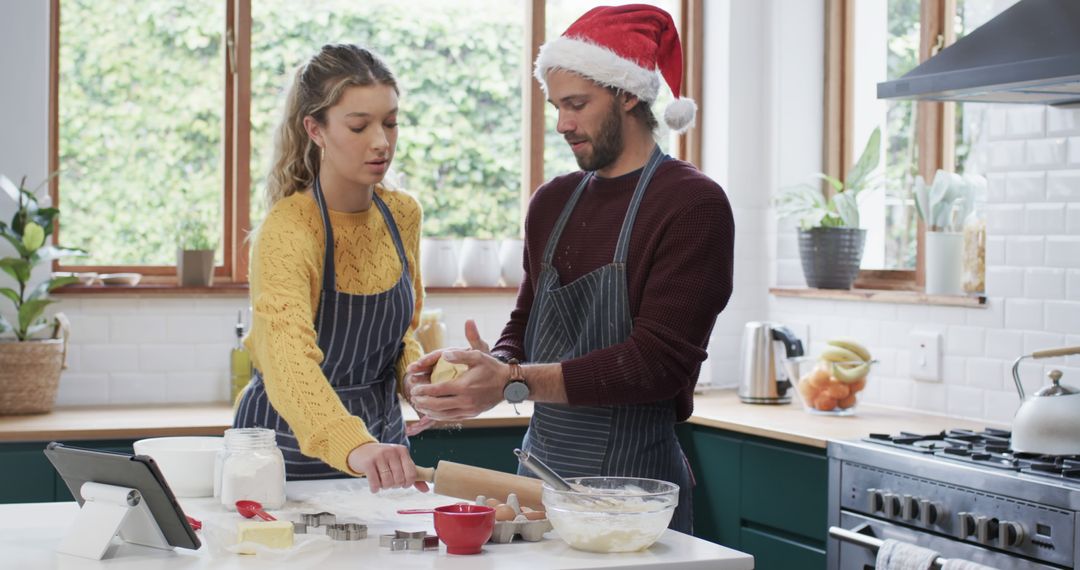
(569,321)
(360,338)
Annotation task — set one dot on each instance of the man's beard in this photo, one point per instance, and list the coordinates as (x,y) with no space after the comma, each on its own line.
(608,143)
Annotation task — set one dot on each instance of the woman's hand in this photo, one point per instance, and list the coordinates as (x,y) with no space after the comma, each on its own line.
(386,465)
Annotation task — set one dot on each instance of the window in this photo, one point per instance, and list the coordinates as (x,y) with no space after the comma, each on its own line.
(139,125)
(917,138)
(171,115)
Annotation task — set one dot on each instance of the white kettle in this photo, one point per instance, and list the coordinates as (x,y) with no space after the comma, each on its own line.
(1049,422)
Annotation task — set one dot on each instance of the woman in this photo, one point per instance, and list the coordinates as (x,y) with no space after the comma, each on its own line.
(335,283)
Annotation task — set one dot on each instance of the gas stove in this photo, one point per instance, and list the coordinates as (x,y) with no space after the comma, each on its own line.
(963,493)
(989,448)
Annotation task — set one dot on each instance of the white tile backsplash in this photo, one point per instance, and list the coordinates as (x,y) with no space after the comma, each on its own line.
(1044,283)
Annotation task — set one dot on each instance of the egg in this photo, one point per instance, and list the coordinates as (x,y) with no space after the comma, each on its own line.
(504,512)
(535,515)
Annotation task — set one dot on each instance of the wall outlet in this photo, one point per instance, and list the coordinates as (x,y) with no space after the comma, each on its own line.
(926,356)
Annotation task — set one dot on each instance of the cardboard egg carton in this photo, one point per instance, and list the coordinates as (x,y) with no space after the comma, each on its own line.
(529,531)
(506,530)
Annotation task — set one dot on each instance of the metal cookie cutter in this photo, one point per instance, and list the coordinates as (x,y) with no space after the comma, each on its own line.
(318,519)
(403,540)
(346,531)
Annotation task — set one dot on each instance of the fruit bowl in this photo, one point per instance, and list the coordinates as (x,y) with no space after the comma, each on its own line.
(829,383)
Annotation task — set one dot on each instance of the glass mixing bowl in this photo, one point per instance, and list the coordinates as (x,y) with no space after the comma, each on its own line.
(820,390)
(611,514)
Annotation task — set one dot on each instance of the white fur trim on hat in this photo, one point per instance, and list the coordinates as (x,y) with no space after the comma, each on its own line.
(598,64)
(680,114)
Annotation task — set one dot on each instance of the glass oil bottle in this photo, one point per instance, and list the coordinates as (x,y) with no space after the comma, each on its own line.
(239,362)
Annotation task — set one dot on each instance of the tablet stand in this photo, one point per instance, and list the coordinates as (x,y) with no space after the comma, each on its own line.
(109,510)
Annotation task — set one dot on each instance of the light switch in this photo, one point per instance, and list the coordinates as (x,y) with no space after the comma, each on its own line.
(926,356)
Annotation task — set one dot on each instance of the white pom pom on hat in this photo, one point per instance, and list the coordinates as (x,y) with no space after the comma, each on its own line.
(623,47)
(679,115)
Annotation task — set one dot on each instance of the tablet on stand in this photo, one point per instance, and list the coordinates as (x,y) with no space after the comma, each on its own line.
(119,494)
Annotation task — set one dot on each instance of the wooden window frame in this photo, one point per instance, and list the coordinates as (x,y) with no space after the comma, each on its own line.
(236,136)
(934,129)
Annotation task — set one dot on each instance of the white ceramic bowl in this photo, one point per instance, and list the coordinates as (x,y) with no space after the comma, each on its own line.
(630,515)
(186,462)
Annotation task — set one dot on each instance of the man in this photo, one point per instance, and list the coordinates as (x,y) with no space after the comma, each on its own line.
(627,264)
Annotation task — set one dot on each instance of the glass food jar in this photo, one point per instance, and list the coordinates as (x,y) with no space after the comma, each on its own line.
(974,266)
(252,468)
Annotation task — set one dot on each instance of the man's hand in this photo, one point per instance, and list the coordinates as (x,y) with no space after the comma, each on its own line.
(387,466)
(472,334)
(419,373)
(475,391)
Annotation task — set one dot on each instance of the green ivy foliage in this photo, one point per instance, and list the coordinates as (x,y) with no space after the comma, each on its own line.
(141,110)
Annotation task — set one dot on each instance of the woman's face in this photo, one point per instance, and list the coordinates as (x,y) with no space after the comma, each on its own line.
(360,134)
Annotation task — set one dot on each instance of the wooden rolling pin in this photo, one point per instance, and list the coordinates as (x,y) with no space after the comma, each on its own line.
(466,482)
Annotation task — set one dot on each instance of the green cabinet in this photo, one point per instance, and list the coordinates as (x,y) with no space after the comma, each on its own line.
(26,476)
(764,497)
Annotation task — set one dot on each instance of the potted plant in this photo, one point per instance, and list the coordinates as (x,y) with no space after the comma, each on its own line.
(195,250)
(31,365)
(830,240)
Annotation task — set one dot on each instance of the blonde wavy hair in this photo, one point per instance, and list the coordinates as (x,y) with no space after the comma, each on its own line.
(317,86)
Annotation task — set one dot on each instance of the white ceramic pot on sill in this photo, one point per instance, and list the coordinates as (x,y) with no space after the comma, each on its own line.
(480,262)
(439,262)
(510,253)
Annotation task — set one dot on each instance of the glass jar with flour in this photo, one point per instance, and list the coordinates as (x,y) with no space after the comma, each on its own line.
(251,468)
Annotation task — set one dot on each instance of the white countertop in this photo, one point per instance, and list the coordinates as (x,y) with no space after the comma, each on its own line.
(31,533)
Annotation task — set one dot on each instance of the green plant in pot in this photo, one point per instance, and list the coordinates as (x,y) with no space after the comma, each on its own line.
(196,243)
(830,240)
(31,364)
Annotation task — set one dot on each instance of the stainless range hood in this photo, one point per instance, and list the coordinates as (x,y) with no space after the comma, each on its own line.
(1030,53)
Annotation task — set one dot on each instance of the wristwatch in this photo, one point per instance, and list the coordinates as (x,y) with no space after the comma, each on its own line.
(516,390)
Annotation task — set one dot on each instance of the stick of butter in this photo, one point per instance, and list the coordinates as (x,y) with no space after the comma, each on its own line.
(446,371)
(273,534)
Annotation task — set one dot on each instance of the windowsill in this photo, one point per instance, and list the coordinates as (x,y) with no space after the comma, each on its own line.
(230,290)
(882,296)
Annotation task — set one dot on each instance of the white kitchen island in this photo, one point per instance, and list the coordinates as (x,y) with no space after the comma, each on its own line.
(30,533)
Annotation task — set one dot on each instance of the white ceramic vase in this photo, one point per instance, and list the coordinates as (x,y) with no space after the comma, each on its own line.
(439,262)
(480,262)
(510,252)
(944,263)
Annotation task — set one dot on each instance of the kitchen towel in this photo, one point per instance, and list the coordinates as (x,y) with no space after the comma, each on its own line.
(896,555)
(957,564)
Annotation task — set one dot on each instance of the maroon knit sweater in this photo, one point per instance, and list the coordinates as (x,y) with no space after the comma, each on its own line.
(679,274)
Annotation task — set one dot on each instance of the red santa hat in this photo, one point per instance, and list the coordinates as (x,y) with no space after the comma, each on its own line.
(623,47)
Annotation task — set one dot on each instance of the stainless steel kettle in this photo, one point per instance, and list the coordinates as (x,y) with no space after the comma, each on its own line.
(762,379)
(1047,423)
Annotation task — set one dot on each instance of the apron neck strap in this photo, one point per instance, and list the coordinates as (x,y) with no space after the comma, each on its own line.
(622,247)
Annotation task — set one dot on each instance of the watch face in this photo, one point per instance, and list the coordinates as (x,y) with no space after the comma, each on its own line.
(516,392)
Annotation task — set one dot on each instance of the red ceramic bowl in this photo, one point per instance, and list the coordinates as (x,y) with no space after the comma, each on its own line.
(464,528)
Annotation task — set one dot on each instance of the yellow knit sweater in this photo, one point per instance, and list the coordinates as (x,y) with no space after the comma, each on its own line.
(286,278)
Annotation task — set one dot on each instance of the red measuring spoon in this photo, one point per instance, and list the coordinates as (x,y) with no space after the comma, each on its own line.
(249,509)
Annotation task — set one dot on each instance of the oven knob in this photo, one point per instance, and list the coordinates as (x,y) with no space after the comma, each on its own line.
(910,508)
(966,522)
(986,529)
(1010,534)
(930,512)
(892,504)
(876,501)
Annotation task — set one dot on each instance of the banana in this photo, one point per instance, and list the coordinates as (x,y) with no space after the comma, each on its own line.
(446,371)
(850,375)
(851,345)
(839,354)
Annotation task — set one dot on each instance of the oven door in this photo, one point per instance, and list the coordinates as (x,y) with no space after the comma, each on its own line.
(857,557)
